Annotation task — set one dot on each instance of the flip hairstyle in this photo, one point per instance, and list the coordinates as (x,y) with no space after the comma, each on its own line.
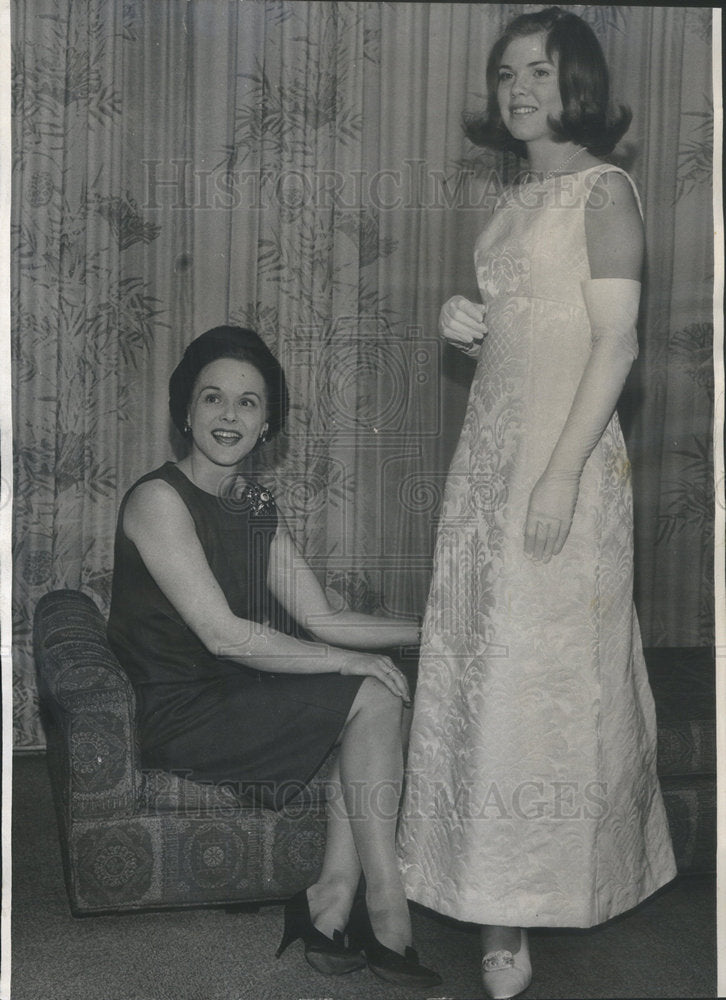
(587,117)
(228,342)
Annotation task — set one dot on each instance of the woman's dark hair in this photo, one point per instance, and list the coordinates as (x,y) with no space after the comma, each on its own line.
(228,342)
(586,118)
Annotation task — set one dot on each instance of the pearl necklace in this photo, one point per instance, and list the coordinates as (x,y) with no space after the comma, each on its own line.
(555,170)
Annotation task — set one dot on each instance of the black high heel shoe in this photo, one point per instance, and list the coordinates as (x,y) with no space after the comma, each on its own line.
(388,965)
(330,956)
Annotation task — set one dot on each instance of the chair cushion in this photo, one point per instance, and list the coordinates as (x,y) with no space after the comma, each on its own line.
(164,792)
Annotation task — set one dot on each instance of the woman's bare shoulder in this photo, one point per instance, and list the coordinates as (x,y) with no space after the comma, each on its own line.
(613,188)
(614,227)
(154,505)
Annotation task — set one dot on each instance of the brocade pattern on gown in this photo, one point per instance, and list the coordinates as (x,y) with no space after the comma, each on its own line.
(531,796)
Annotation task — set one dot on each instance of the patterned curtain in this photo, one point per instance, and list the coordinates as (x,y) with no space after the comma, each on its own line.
(300,168)
(669,408)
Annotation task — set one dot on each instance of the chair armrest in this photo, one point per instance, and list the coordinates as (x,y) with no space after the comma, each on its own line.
(88,707)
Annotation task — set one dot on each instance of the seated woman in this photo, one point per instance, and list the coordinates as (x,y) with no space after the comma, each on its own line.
(202,556)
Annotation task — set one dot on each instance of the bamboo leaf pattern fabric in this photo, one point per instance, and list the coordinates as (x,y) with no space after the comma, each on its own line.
(300,168)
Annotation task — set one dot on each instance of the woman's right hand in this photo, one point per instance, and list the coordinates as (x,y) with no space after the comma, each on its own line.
(461,324)
(359,664)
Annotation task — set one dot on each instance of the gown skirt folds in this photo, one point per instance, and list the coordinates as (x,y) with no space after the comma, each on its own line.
(203,716)
(531,794)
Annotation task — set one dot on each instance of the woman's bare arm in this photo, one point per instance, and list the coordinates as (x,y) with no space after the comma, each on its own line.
(615,250)
(158,523)
(297,588)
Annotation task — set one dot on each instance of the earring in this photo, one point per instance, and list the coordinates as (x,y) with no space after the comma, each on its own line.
(187,427)
(263,436)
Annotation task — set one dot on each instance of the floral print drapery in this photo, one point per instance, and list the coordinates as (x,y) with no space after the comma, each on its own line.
(300,168)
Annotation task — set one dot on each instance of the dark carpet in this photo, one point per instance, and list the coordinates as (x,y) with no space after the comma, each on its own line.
(664,948)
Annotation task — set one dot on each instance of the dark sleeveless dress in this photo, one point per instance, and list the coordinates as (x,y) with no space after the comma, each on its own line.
(200,715)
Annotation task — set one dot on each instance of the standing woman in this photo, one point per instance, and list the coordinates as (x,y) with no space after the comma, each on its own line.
(532,797)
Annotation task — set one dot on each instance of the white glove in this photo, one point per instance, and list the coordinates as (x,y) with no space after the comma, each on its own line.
(461,324)
(612,306)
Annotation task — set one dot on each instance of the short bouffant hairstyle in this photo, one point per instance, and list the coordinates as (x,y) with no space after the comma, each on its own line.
(228,342)
(587,117)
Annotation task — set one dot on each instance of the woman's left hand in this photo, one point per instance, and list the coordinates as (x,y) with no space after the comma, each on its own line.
(549,517)
(362,664)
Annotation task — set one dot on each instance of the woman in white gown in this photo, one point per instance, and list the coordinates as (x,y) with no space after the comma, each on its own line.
(532,797)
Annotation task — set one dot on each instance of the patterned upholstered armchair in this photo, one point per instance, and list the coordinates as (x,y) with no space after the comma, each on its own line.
(132,839)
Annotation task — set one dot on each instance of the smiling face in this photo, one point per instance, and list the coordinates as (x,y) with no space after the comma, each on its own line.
(227,412)
(528,91)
